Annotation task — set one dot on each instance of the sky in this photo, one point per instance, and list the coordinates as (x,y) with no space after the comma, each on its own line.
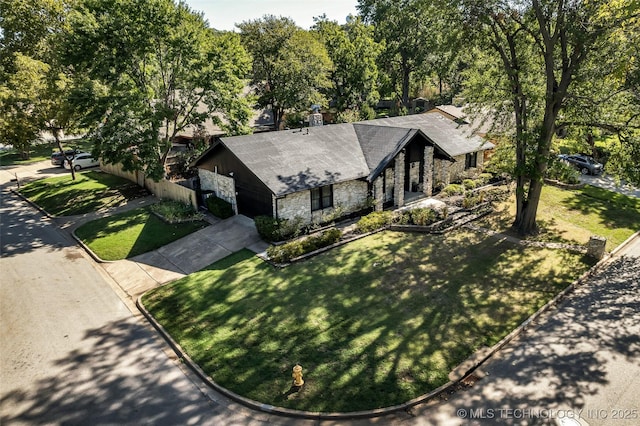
(224,14)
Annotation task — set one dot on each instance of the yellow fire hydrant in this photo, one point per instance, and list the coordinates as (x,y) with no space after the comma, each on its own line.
(297,376)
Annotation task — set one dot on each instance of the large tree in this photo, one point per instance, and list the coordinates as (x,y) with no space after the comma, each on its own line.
(290,65)
(163,71)
(354,52)
(418,34)
(31,79)
(537,54)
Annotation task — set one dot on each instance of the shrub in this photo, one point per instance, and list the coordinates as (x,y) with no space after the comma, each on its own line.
(175,211)
(423,216)
(563,172)
(469,184)
(219,207)
(285,252)
(373,221)
(472,200)
(453,189)
(485,178)
(268,228)
(271,229)
(443,213)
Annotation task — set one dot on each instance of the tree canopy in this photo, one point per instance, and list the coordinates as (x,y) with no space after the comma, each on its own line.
(290,65)
(163,70)
(536,59)
(354,76)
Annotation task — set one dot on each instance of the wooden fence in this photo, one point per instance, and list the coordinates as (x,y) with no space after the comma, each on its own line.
(164,189)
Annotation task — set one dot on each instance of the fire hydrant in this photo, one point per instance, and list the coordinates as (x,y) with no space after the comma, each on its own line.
(297,376)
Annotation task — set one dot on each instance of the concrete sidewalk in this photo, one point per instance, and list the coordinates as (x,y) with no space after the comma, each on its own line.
(186,255)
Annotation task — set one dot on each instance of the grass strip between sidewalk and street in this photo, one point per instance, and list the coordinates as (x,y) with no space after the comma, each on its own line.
(374,323)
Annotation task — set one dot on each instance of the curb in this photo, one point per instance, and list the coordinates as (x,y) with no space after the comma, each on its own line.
(445,388)
(266,408)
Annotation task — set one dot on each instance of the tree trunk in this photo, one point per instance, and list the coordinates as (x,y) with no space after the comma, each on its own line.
(405,88)
(56,135)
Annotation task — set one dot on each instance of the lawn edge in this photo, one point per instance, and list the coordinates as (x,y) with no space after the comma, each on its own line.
(447,388)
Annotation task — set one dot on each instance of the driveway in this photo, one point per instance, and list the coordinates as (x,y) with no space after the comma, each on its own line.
(607,182)
(186,255)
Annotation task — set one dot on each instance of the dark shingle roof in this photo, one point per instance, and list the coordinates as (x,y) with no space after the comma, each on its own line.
(292,160)
(444,133)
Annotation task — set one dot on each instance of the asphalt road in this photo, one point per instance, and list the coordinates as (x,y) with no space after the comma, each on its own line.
(71,351)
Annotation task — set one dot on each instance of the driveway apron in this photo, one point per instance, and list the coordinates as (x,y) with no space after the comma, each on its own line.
(186,255)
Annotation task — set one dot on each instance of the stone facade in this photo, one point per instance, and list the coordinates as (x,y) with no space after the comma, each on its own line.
(348,197)
(427,186)
(398,176)
(458,171)
(223,186)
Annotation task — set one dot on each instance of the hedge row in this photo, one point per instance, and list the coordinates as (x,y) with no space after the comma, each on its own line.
(219,207)
(285,252)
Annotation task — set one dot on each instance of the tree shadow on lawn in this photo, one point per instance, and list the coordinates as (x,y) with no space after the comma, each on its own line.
(374,323)
(614,210)
(573,353)
(73,197)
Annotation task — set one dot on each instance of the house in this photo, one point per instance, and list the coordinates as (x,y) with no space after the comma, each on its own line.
(318,171)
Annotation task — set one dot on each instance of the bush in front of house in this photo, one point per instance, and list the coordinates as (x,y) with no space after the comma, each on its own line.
(485,178)
(175,211)
(423,216)
(272,229)
(469,184)
(285,252)
(471,200)
(219,207)
(453,189)
(374,221)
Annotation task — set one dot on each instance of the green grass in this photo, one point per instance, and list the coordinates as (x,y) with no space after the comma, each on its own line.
(91,191)
(374,323)
(573,216)
(132,233)
(41,152)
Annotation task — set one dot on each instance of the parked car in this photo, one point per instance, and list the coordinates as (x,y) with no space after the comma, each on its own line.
(585,164)
(82,160)
(57,158)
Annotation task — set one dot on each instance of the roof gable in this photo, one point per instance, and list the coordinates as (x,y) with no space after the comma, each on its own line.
(444,133)
(293,160)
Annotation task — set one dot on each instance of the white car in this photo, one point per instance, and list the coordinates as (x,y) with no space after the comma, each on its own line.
(82,160)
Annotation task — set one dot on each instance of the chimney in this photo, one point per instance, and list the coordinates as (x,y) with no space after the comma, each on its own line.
(315,118)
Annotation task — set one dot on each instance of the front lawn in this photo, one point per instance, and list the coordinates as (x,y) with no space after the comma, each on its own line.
(91,191)
(132,233)
(374,323)
(573,216)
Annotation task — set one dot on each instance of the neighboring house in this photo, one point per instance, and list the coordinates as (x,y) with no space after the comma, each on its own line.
(317,171)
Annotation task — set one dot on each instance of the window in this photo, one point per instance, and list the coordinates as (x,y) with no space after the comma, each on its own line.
(471,160)
(321,198)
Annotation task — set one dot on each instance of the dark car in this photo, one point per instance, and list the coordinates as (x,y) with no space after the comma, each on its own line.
(585,164)
(57,158)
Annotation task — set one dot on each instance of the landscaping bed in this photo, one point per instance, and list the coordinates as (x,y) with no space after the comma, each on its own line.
(374,323)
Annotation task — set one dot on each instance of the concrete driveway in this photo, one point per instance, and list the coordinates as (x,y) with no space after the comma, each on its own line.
(607,182)
(186,255)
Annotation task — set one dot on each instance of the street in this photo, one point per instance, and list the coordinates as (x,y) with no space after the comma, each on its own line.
(72,352)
